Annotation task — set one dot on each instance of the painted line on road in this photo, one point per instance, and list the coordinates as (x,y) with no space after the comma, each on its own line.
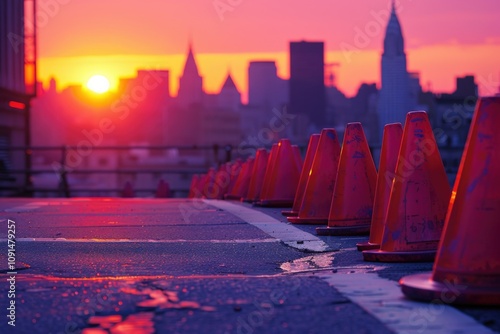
(32,206)
(383,299)
(287,233)
(229,241)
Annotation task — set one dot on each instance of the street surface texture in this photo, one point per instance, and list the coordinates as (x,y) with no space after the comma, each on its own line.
(103,265)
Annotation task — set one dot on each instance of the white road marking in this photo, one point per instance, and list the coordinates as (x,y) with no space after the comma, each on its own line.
(384,300)
(287,233)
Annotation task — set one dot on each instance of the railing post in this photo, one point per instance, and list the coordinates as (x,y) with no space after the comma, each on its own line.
(63,185)
(229,151)
(216,153)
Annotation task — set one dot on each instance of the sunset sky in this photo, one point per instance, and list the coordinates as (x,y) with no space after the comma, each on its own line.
(444,39)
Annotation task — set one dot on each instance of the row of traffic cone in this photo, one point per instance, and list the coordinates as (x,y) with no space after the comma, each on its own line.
(268,179)
(403,207)
(406,207)
(415,214)
(467,266)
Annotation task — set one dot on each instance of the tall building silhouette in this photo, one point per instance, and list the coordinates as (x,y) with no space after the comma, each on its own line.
(265,88)
(307,83)
(394,98)
(190,83)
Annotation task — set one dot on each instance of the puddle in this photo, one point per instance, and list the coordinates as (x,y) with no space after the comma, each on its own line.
(158,301)
(309,263)
(138,323)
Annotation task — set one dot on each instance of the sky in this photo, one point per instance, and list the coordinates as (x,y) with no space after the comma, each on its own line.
(443,39)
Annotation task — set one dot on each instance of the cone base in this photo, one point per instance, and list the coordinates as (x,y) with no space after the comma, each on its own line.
(274,203)
(367,246)
(290,213)
(385,256)
(308,221)
(422,287)
(249,200)
(343,230)
(232,197)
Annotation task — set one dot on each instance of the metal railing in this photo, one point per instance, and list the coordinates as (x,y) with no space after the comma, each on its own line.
(128,167)
(128,162)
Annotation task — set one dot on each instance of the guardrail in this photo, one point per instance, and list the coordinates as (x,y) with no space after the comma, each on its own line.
(19,181)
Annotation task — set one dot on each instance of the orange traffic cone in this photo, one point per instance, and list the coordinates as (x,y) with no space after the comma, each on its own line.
(194,186)
(258,172)
(234,170)
(128,190)
(304,176)
(163,189)
(271,160)
(318,193)
(352,202)
(210,189)
(198,190)
(388,159)
(419,198)
(240,188)
(467,267)
(284,178)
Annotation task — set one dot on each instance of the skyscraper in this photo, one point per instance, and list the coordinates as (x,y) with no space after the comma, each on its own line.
(307,83)
(394,98)
(265,88)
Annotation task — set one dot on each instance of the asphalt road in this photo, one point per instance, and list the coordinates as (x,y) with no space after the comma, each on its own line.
(180,266)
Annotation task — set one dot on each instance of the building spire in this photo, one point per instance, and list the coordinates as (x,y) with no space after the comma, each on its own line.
(393,41)
(190,68)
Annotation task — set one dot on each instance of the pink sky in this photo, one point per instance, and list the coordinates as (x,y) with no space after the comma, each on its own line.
(443,38)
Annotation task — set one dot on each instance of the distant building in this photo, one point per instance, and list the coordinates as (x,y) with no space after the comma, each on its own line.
(267,92)
(394,98)
(14,100)
(307,81)
(190,83)
(201,119)
(265,88)
(229,97)
(466,86)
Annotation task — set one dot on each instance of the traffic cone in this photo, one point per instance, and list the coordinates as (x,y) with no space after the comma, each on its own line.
(200,186)
(234,169)
(194,186)
(318,193)
(304,176)
(128,190)
(258,172)
(352,202)
(284,178)
(387,167)
(419,197)
(467,266)
(210,189)
(240,188)
(163,189)
(269,171)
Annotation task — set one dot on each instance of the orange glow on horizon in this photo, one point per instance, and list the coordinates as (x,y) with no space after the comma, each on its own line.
(434,63)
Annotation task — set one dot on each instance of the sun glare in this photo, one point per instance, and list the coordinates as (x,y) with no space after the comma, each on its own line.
(98,84)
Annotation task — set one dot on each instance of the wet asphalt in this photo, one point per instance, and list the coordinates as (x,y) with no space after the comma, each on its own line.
(176,266)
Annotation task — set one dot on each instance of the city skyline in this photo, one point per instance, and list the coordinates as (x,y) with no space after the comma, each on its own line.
(474,40)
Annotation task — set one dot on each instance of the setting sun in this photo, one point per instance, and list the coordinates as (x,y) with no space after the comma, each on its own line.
(98,84)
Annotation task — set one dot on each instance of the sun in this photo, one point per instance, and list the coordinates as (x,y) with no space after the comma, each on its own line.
(98,84)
